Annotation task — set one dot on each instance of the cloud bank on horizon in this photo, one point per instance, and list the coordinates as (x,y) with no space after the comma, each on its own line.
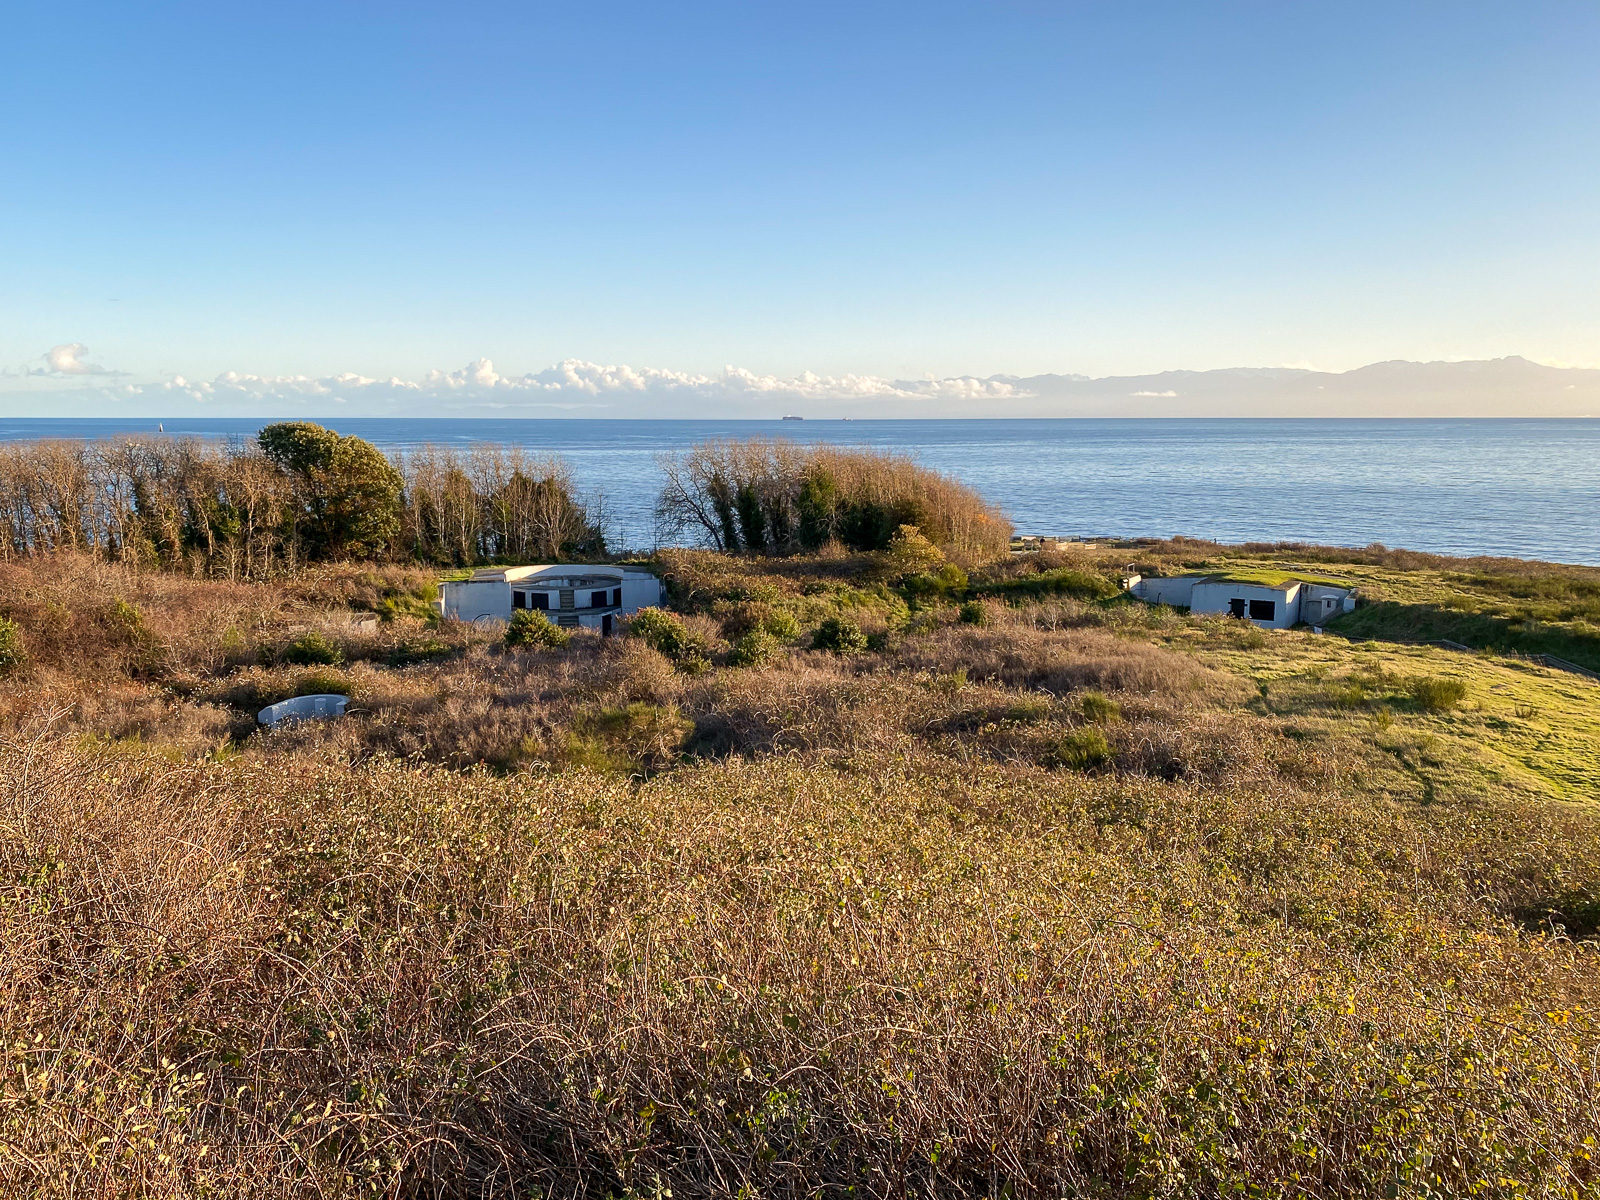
(575,388)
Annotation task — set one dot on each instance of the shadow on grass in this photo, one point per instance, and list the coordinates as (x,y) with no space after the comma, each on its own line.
(1575,912)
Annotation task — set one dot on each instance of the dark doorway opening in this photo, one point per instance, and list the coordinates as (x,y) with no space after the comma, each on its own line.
(1236,607)
(605,625)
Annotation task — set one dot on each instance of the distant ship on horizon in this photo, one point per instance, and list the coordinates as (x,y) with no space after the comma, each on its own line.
(792,417)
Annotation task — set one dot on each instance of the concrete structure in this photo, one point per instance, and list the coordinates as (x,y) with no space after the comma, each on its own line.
(571,595)
(323,706)
(1030,543)
(1272,603)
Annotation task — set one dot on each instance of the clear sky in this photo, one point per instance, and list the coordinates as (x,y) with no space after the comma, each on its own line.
(893,190)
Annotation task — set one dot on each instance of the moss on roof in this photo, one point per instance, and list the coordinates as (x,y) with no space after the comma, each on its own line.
(1272,578)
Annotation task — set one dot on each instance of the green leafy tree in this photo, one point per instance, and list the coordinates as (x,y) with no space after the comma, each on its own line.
(347,493)
(817,505)
(752,520)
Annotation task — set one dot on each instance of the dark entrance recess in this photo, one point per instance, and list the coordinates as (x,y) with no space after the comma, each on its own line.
(605,625)
(541,600)
(597,599)
(1263,610)
(1236,607)
(519,599)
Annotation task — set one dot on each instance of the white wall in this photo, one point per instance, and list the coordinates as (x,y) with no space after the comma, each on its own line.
(1214,596)
(469,599)
(1319,603)
(1174,590)
(640,590)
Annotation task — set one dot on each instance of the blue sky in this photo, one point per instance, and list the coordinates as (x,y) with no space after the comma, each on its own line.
(896,191)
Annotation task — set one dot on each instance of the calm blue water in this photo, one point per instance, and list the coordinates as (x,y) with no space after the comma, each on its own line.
(1529,489)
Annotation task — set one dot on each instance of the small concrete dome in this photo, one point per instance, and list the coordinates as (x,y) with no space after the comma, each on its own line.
(321,707)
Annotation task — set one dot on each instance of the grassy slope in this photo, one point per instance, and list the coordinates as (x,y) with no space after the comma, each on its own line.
(1524,730)
(835,923)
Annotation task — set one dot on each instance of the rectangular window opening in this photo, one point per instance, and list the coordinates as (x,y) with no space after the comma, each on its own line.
(1263,610)
(597,599)
(541,600)
(519,599)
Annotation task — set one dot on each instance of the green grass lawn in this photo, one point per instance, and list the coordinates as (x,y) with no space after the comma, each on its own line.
(1521,729)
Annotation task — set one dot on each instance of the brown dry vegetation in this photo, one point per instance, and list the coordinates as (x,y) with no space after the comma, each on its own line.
(1061,896)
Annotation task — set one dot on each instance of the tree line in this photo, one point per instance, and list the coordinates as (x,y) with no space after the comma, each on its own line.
(298,494)
(295,494)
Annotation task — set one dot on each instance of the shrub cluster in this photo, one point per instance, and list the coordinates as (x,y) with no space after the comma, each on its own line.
(775,497)
(1436,693)
(530,628)
(756,648)
(666,633)
(1084,749)
(1098,708)
(311,649)
(839,635)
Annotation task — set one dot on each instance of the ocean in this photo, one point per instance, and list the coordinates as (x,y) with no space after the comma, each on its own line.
(1520,488)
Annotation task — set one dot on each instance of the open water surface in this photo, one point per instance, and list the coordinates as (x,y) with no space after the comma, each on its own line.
(1523,488)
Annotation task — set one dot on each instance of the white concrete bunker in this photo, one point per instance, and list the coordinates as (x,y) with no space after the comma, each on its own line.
(323,706)
(573,595)
(1272,603)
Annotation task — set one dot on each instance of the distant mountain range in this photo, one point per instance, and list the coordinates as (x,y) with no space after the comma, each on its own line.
(1500,387)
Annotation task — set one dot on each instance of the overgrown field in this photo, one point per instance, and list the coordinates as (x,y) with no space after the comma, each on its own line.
(861,874)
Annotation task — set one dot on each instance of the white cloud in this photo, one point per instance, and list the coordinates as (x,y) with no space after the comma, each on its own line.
(571,384)
(1158,395)
(69,359)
